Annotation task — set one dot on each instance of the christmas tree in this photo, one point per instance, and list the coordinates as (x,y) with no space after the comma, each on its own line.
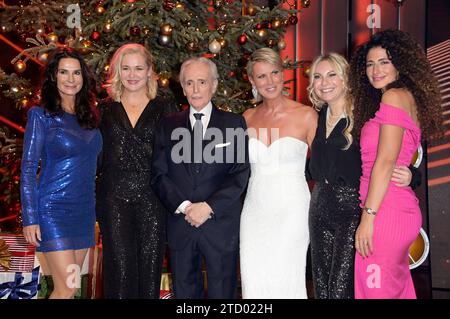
(227,31)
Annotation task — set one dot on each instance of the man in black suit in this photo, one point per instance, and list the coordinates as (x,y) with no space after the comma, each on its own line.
(200,171)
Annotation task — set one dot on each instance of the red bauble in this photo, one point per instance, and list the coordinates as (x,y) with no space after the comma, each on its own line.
(169,5)
(242,39)
(129,1)
(135,30)
(95,36)
(258,26)
(293,20)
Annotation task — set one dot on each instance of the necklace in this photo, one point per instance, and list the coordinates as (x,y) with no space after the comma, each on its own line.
(329,123)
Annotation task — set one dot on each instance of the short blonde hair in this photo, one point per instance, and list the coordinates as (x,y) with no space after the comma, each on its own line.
(114,86)
(342,68)
(263,55)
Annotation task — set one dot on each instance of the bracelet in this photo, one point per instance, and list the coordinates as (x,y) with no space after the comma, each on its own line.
(369,211)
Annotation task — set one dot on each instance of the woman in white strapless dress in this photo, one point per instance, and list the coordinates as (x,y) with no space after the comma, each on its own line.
(274,235)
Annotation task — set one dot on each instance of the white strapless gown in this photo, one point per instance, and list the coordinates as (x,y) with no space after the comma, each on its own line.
(274,235)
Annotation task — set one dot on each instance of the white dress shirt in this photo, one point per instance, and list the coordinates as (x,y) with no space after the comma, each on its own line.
(207,110)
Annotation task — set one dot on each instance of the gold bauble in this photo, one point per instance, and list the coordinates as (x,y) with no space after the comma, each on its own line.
(262,34)
(24,102)
(180,6)
(52,37)
(276,23)
(43,56)
(166,29)
(251,10)
(100,9)
(163,82)
(223,42)
(20,66)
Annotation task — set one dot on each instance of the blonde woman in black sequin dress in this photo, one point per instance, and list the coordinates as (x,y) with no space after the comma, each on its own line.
(335,165)
(131,217)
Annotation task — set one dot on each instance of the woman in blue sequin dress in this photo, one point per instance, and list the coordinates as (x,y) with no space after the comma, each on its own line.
(61,146)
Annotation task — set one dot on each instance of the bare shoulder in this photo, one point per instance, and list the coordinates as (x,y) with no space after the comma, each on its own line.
(248,113)
(399,98)
(306,112)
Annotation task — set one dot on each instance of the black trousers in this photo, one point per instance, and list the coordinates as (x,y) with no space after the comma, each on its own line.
(334,215)
(133,234)
(221,269)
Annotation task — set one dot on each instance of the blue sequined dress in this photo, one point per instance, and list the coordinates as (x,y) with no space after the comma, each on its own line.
(61,198)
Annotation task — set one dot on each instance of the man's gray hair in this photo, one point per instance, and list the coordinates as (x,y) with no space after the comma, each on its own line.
(211,64)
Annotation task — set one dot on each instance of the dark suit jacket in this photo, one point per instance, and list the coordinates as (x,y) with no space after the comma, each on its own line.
(221,185)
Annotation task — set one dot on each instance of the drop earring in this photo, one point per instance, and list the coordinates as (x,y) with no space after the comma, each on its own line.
(255,92)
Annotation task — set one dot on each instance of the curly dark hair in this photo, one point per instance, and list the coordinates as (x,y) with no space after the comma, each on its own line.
(85,110)
(415,75)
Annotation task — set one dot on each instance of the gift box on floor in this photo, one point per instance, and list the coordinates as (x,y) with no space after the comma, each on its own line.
(22,254)
(19,285)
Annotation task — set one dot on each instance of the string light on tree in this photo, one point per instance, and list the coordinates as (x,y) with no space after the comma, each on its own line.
(305,3)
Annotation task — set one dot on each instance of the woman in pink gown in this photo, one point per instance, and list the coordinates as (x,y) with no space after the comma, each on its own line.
(397,102)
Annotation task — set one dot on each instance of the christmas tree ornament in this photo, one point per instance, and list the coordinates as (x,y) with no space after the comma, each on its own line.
(108,27)
(271,42)
(52,37)
(163,82)
(43,56)
(180,6)
(223,42)
(276,24)
(164,39)
(40,31)
(306,71)
(214,47)
(166,29)
(86,46)
(48,29)
(129,1)
(242,39)
(222,28)
(95,36)
(24,102)
(135,31)
(100,9)
(262,34)
(169,5)
(293,19)
(258,26)
(146,30)
(192,46)
(217,4)
(251,10)
(305,3)
(281,44)
(20,66)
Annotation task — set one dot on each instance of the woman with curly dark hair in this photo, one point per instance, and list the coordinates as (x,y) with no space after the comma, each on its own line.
(396,101)
(58,205)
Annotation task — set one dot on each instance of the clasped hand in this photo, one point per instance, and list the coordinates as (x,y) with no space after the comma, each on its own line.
(197,213)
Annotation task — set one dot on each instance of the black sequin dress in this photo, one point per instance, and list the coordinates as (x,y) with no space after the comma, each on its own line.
(132,220)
